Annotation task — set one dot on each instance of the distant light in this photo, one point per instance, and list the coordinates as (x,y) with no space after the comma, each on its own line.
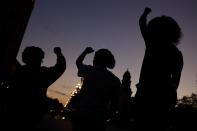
(108,120)
(63,118)
(73,93)
(78,86)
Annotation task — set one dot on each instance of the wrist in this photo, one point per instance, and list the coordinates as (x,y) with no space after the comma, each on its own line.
(85,52)
(59,54)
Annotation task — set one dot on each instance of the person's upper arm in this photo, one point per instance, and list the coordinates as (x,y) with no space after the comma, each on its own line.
(176,74)
(54,72)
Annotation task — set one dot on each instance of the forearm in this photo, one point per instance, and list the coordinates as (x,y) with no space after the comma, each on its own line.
(61,63)
(143,27)
(142,20)
(143,24)
(80,59)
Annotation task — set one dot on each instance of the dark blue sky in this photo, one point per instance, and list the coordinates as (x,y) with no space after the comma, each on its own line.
(113,24)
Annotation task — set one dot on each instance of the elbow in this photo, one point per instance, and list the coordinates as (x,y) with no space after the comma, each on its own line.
(64,67)
(78,74)
(77,64)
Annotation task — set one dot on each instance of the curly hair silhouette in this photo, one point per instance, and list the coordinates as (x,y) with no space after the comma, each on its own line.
(32,55)
(164,28)
(104,57)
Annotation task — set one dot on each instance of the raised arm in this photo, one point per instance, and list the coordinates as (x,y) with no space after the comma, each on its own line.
(54,72)
(80,59)
(143,25)
(60,65)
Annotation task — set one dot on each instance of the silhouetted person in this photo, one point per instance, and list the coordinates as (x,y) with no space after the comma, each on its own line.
(29,86)
(161,71)
(124,99)
(100,88)
(126,83)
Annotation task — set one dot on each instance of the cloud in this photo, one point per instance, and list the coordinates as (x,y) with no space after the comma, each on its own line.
(57,92)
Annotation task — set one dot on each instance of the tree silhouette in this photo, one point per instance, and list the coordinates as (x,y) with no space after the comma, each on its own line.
(188,101)
(185,113)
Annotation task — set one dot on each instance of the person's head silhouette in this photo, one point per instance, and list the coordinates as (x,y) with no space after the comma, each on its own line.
(104,58)
(33,56)
(164,29)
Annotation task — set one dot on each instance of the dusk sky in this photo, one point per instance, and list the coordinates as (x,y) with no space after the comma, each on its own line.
(113,24)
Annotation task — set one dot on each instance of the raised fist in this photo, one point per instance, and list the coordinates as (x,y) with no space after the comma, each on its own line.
(89,50)
(147,10)
(57,50)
